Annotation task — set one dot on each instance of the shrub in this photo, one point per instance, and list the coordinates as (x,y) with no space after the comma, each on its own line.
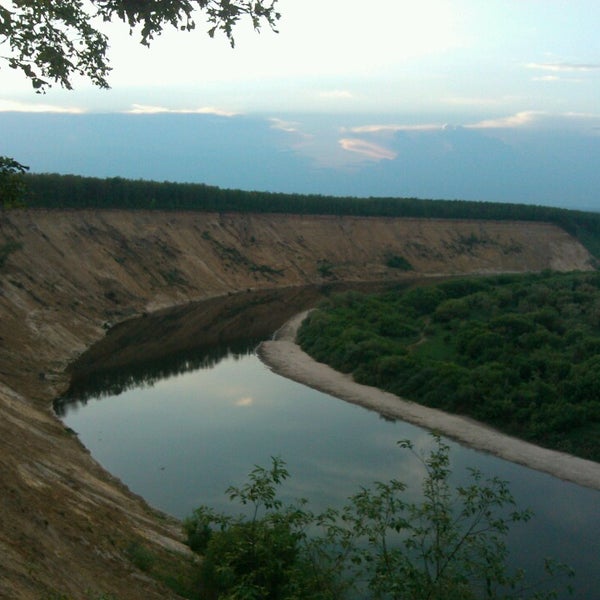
(398,262)
(450,545)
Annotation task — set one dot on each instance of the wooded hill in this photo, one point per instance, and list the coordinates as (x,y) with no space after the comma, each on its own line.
(73,191)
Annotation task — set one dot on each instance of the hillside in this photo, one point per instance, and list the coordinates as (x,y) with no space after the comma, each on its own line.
(66,524)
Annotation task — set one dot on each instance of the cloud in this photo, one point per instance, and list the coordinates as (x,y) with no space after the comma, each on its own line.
(336,94)
(287,126)
(353,144)
(519,119)
(558,69)
(245,401)
(367,149)
(380,136)
(393,128)
(11,106)
(542,120)
(145,109)
(297,137)
(476,101)
(564,67)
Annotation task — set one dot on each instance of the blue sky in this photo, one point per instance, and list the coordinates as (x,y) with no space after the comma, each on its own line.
(375,87)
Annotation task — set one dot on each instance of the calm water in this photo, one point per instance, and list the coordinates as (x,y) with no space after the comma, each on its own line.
(182,440)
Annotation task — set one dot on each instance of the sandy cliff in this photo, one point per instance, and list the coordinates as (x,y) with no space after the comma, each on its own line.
(66,524)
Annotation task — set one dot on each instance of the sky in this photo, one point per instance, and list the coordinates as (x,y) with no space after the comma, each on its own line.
(372,88)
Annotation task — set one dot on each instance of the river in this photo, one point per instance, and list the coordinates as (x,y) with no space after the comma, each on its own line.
(200,410)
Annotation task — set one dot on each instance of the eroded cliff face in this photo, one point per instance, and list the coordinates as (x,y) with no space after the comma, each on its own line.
(65,524)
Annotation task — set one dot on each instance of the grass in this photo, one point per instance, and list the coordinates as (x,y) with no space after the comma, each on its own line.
(175,571)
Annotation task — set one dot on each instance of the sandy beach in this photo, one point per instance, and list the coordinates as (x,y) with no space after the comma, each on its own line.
(286,358)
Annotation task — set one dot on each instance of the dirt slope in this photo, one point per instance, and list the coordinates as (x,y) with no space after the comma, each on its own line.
(66,524)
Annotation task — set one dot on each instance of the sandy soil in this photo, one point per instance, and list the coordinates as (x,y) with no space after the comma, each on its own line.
(286,358)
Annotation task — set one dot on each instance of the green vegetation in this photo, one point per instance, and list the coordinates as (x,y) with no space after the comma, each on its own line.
(233,257)
(450,545)
(521,353)
(12,186)
(12,193)
(394,261)
(173,277)
(177,573)
(140,556)
(53,42)
(325,268)
(71,191)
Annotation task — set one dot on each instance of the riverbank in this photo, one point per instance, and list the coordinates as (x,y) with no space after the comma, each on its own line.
(286,358)
(67,526)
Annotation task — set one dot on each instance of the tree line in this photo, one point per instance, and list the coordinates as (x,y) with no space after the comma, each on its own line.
(73,191)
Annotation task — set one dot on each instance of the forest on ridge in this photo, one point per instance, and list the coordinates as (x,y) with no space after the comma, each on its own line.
(77,192)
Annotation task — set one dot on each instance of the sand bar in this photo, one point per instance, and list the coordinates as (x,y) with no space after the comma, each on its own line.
(286,358)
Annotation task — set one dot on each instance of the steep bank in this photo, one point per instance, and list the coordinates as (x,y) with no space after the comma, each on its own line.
(65,524)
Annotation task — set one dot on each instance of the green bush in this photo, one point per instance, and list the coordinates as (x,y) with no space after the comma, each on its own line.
(450,545)
(260,555)
(500,349)
(398,262)
(140,556)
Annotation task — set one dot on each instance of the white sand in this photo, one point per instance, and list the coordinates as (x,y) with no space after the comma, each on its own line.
(286,358)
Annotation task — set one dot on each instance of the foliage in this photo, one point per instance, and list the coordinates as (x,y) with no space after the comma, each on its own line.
(168,567)
(12,185)
(519,352)
(51,42)
(255,557)
(450,545)
(394,261)
(140,556)
(325,268)
(72,191)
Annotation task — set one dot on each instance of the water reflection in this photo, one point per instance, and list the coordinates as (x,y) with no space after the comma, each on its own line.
(140,352)
(116,381)
(181,441)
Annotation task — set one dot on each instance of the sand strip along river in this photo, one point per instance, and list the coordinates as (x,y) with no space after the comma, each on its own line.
(283,356)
